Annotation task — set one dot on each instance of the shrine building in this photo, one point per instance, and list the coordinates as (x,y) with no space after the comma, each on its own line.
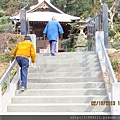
(38,15)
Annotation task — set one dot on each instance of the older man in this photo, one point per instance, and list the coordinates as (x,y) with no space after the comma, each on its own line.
(22,52)
(53,29)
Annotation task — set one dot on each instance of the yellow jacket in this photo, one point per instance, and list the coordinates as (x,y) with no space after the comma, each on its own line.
(25,49)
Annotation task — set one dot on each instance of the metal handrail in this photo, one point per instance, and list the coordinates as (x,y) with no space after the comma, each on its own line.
(95,22)
(93,25)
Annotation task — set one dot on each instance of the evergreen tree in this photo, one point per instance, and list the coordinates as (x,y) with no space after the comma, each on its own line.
(12,7)
(73,7)
(5,25)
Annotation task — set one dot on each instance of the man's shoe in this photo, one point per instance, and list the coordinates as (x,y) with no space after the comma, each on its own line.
(52,54)
(23,88)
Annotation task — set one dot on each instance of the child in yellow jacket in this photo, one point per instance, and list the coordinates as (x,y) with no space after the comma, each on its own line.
(23,51)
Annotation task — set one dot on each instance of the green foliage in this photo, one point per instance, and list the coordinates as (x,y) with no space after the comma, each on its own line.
(4,86)
(66,43)
(61,4)
(13,7)
(115,35)
(114,46)
(72,25)
(2,12)
(5,57)
(73,7)
(72,49)
(81,6)
(111,33)
(5,25)
(13,72)
(90,44)
(114,63)
(117,28)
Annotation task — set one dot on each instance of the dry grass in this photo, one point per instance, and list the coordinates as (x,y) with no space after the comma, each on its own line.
(115,58)
(3,67)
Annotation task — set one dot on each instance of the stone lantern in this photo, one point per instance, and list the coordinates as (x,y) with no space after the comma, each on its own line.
(81,40)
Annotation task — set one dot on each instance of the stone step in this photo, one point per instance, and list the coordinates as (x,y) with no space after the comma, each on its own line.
(63,84)
(78,62)
(38,69)
(64,79)
(82,85)
(51,115)
(57,108)
(56,99)
(65,57)
(70,53)
(61,92)
(71,57)
(64,74)
(68,60)
(59,65)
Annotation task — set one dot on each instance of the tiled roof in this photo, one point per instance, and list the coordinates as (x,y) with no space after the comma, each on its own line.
(46,16)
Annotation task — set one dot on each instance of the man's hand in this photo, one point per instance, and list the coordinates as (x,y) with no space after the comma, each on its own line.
(61,36)
(44,36)
(34,65)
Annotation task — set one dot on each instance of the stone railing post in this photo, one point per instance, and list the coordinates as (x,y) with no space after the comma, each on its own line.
(33,38)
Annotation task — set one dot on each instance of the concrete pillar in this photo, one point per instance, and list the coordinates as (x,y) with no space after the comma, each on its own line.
(105,24)
(115,97)
(0,101)
(23,22)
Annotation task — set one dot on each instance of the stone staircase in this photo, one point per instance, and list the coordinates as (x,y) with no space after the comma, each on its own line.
(64,84)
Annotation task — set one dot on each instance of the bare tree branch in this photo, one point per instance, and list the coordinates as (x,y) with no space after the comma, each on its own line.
(27,4)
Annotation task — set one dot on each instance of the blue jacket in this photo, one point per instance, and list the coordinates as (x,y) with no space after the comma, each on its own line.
(52,30)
